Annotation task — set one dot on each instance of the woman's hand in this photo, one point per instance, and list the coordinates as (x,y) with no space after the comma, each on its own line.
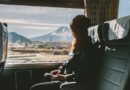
(55,72)
(59,77)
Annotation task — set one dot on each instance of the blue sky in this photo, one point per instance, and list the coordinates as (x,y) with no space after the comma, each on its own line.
(35,21)
(124,8)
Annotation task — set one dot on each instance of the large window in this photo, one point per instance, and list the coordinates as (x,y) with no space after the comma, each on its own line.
(124,8)
(37,34)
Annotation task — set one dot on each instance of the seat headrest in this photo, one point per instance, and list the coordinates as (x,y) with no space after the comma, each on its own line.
(93,33)
(103,33)
(118,28)
(96,33)
(111,30)
(116,32)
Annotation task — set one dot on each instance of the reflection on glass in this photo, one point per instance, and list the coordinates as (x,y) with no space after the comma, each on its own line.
(51,47)
(37,34)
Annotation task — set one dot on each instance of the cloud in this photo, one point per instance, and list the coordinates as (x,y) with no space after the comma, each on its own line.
(37,13)
(32,21)
(27,22)
(23,9)
(37,10)
(36,27)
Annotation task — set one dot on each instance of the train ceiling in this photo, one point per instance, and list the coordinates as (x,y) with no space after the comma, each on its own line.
(50,3)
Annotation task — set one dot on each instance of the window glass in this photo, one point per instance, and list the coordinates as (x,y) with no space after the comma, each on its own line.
(124,8)
(37,34)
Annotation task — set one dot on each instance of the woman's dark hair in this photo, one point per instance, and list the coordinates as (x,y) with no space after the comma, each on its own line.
(81,23)
(79,27)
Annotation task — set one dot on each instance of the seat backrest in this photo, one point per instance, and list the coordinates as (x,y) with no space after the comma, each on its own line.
(3,44)
(93,33)
(115,67)
(116,62)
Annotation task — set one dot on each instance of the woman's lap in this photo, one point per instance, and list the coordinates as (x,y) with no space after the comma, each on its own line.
(75,86)
(52,85)
(57,85)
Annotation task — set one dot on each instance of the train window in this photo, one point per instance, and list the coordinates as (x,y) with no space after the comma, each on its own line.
(37,34)
(124,9)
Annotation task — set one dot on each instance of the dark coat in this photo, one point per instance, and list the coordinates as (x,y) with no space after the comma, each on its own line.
(83,64)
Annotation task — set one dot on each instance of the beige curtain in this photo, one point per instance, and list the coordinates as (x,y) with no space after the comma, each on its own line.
(101,10)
